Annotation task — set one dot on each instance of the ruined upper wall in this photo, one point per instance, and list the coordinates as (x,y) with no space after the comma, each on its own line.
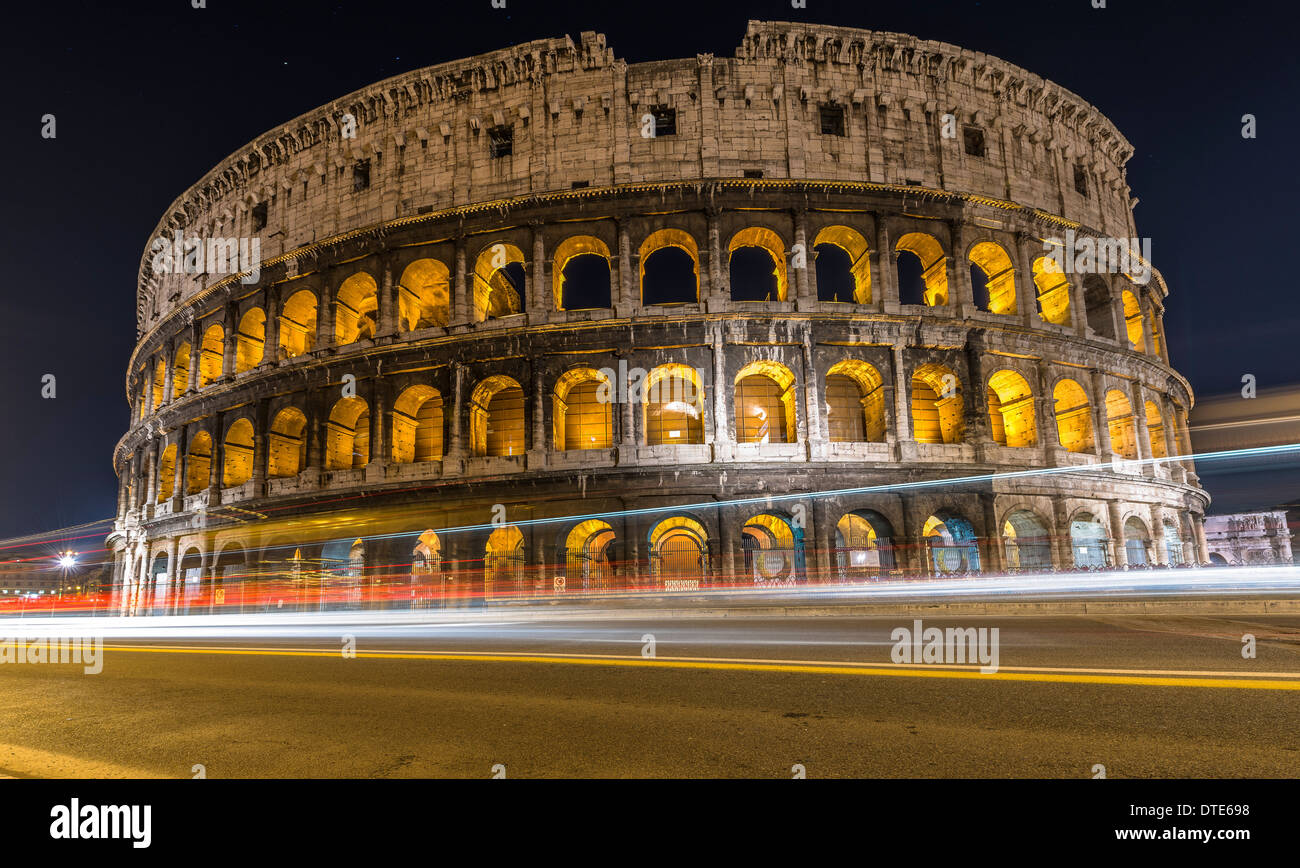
(577,118)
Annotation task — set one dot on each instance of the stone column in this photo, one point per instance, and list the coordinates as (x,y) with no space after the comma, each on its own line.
(1202,545)
(976,414)
(992,554)
(169,377)
(538,448)
(1026,289)
(454,462)
(902,397)
(1159,552)
(271,347)
(182,467)
(462,304)
(151,486)
(817,443)
(883,274)
(729,567)
(261,446)
(1140,432)
(961,294)
(1045,410)
(1062,537)
(217,461)
(717,290)
(377,466)
(629,296)
(1100,424)
(196,357)
(723,438)
(325,318)
(805,276)
(228,355)
(386,323)
(621,391)
(1117,535)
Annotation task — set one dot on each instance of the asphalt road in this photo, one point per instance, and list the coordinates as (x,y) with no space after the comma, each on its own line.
(1143,696)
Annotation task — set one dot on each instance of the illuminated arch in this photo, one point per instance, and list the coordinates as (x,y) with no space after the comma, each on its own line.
(937,406)
(1137,540)
(159,382)
(756,239)
(497,418)
(1053,291)
(582,417)
(1173,544)
(426,557)
(355,307)
(181,370)
(950,544)
(167,473)
(656,249)
(288,452)
(934,265)
(498,293)
(673,405)
(1011,410)
(586,555)
(1156,430)
(503,556)
(417,425)
(1088,542)
(575,248)
(347,435)
(238,465)
(855,247)
(990,258)
(198,463)
(1133,321)
(864,544)
(854,393)
(1026,541)
(768,543)
(210,356)
(1098,306)
(679,549)
(1073,417)
(423,295)
(764,403)
(1119,419)
(250,340)
(298,324)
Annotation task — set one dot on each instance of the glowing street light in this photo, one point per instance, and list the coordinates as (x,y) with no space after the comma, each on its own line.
(68,560)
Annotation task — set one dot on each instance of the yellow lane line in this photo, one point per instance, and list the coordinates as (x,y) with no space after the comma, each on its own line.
(803,668)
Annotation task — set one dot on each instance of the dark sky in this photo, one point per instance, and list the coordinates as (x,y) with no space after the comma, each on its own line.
(149,99)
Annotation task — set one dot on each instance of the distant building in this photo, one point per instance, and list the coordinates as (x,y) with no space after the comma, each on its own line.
(1251,537)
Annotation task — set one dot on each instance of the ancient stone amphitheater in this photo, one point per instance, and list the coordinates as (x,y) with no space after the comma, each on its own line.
(544,321)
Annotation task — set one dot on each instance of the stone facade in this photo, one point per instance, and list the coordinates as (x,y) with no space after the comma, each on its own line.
(405,358)
(1250,538)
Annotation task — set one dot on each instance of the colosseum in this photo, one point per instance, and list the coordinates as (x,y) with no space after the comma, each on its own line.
(543,321)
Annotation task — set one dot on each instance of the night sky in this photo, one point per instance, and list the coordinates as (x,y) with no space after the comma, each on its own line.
(148,100)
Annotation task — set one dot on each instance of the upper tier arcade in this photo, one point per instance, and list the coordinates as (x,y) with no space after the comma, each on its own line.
(798,101)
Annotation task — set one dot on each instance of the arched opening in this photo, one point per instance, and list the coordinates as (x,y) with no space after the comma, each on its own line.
(426,557)
(580,274)
(1119,420)
(843,265)
(347,435)
(355,307)
(288,453)
(679,548)
(1174,544)
(1027,542)
(238,466)
(298,324)
(1153,330)
(1097,304)
(1137,542)
(503,559)
(1156,430)
(674,406)
(190,576)
(181,371)
(1088,542)
(670,268)
(1073,416)
(586,556)
(937,407)
(167,473)
(497,418)
(250,340)
(500,286)
(864,545)
(582,420)
(159,381)
(231,575)
(198,463)
(855,403)
(1053,291)
(772,550)
(950,545)
(423,296)
(417,425)
(1011,410)
(1133,321)
(993,278)
(922,270)
(756,262)
(210,357)
(764,403)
